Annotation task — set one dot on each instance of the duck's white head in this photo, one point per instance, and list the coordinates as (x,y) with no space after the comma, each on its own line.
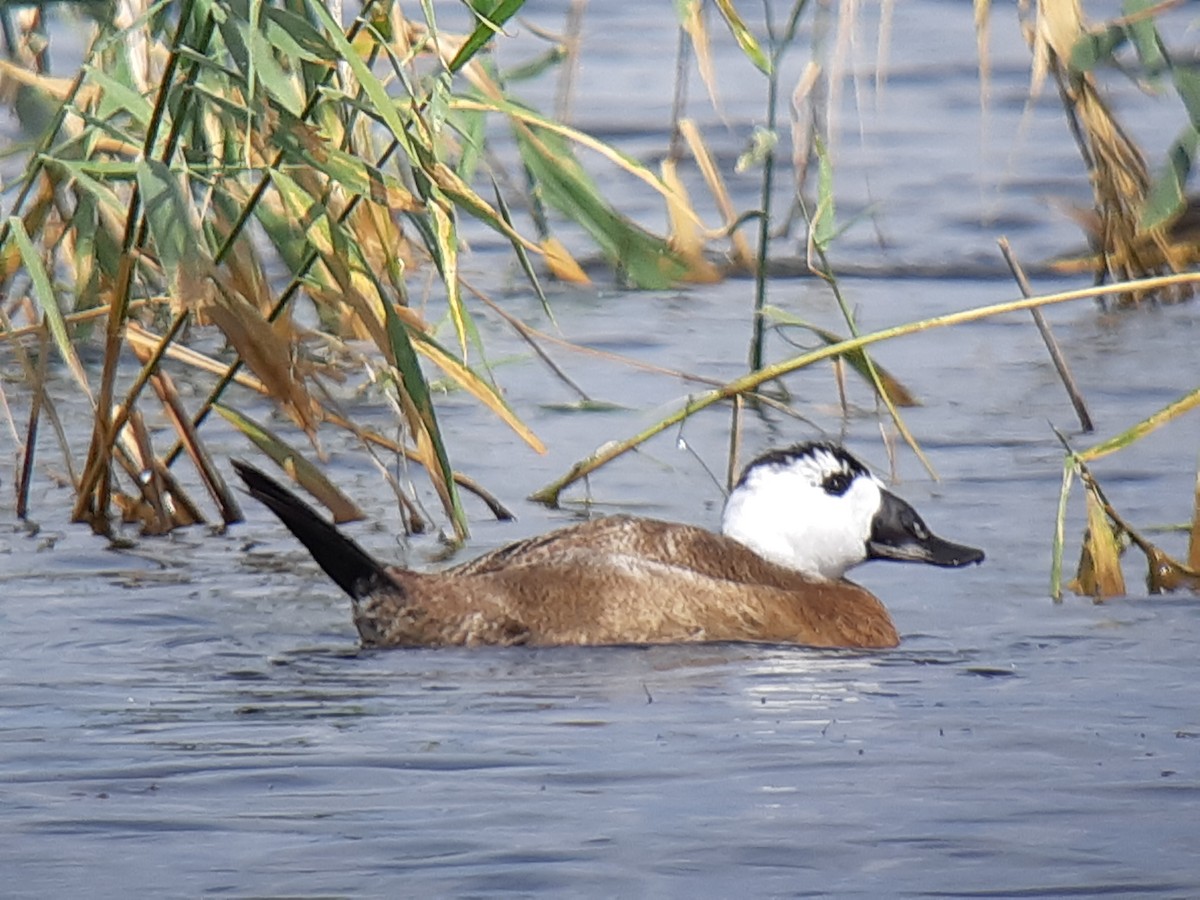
(815,508)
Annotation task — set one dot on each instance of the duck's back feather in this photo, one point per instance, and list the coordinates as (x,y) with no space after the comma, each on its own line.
(623,580)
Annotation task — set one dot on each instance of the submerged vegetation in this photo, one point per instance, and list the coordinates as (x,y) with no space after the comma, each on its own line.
(209,164)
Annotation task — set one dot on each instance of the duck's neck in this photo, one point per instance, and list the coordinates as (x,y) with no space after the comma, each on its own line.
(756,526)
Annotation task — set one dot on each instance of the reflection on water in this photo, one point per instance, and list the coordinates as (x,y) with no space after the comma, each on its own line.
(194,716)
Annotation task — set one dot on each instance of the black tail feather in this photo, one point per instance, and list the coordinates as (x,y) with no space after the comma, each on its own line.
(353,569)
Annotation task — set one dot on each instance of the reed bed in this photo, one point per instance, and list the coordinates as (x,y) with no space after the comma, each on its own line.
(210,164)
(1141,224)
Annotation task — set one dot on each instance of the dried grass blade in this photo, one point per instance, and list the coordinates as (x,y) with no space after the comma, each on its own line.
(743,256)
(744,36)
(291,461)
(694,24)
(267,353)
(561,263)
(216,486)
(148,342)
(446,254)
(686,236)
(983,9)
(1099,575)
(1165,574)
(478,388)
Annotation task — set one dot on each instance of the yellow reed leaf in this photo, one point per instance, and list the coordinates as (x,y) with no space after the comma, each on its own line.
(303,472)
(561,263)
(743,257)
(479,389)
(1099,575)
(686,238)
(266,350)
(694,23)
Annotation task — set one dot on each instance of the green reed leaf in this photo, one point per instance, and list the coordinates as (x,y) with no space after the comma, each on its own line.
(1144,36)
(295,36)
(270,74)
(119,97)
(824,219)
(1166,196)
(43,295)
(1097,49)
(646,259)
(490,17)
(1187,83)
(382,105)
(744,37)
(168,217)
(417,390)
(1151,423)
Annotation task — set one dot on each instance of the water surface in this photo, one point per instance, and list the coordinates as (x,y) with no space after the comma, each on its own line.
(193,715)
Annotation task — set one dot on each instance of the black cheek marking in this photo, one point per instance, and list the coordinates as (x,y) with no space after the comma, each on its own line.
(914,525)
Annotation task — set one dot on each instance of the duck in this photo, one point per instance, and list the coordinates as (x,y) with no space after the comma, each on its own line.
(795,522)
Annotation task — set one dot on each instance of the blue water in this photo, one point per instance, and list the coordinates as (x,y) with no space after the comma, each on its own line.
(193,715)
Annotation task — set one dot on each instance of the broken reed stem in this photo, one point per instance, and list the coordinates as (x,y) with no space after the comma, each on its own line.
(1194,538)
(164,387)
(572,39)
(1039,319)
(735,444)
(35,409)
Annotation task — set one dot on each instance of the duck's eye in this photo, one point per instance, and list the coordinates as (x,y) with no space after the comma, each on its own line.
(914,525)
(837,483)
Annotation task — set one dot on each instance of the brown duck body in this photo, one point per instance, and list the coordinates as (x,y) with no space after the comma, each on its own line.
(620,580)
(796,520)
